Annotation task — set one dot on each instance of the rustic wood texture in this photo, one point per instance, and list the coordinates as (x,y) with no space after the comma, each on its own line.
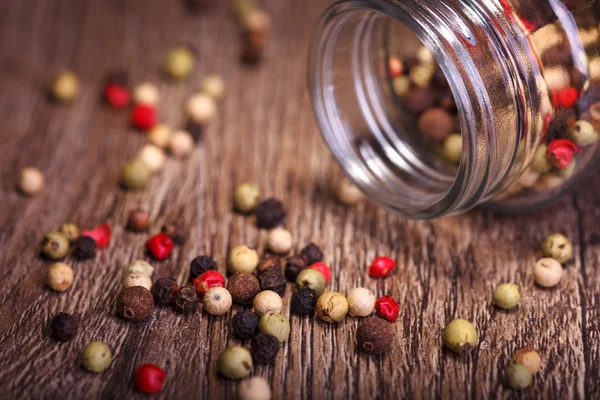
(264,133)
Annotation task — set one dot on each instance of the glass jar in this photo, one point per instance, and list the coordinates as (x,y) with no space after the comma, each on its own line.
(435,106)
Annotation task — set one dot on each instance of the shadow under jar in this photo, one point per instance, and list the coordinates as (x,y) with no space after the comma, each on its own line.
(516,77)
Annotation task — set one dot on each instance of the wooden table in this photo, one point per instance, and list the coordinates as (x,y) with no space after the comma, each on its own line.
(264,133)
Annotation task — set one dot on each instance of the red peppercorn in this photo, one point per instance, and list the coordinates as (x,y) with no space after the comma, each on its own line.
(560,152)
(564,98)
(387,308)
(116,95)
(160,246)
(395,66)
(322,268)
(143,116)
(149,378)
(207,280)
(100,234)
(381,267)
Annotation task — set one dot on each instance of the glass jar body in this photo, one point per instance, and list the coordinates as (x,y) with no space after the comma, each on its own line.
(434,107)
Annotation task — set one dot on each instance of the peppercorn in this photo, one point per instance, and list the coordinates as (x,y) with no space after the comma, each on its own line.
(141,267)
(245,324)
(60,277)
(138,220)
(116,95)
(214,86)
(583,133)
(85,247)
(64,87)
(242,7)
(179,62)
(217,301)
(175,231)
(96,357)
(374,335)
(137,279)
(181,143)
(266,301)
(201,264)
(311,278)
(256,25)
(264,348)
(101,234)
(279,241)
(401,86)
(303,301)
(332,307)
(564,98)
(558,247)
(311,254)
(164,290)
(71,231)
(135,174)
(381,267)
(195,129)
(270,213)
(518,376)
(452,148)
(273,280)
(361,302)
(143,116)
(421,75)
(31,181)
(255,388)
(347,193)
(201,108)
(149,378)
(269,263)
(55,245)
(135,303)
(530,358)
(160,246)
(395,66)
(274,324)
(243,288)
(64,326)
(153,156)
(293,267)
(208,280)
(506,296)
(145,93)
(547,272)
(322,268)
(435,124)
(186,300)
(387,308)
(540,161)
(460,336)
(569,171)
(160,135)
(235,362)
(560,152)
(418,100)
(242,259)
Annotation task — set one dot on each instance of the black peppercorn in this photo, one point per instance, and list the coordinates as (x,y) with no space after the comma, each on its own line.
(243,288)
(195,129)
(135,303)
(269,213)
(175,231)
(64,326)
(186,300)
(273,280)
(304,301)
(164,290)
(312,254)
(201,264)
(85,247)
(374,335)
(264,348)
(245,324)
(294,266)
(269,263)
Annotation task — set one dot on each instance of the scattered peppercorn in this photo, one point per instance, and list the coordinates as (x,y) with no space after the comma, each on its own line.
(361,302)
(186,300)
(304,301)
(160,246)
(214,86)
(235,362)
(243,288)
(269,263)
(311,254)
(264,348)
(332,307)
(153,156)
(201,108)
(160,135)
(506,296)
(560,152)
(558,247)
(460,336)
(381,267)
(293,267)
(208,280)
(270,213)
(255,388)
(135,174)
(530,358)
(311,278)
(547,272)
(175,231)
(137,279)
(164,291)
(273,280)
(149,378)
(64,87)
(274,324)
(242,259)
(140,266)
(96,357)
(347,193)
(71,231)
(217,301)
(181,143)
(322,268)
(144,116)
(101,234)
(116,95)
(374,335)
(195,129)
(246,197)
(387,308)
(55,245)
(518,376)
(245,324)
(138,220)
(64,326)
(179,62)
(135,303)
(31,181)
(266,301)
(145,93)
(279,241)
(60,277)
(201,264)
(85,247)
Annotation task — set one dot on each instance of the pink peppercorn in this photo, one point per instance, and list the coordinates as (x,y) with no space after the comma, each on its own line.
(101,235)
(395,67)
(387,308)
(149,378)
(143,116)
(160,246)
(116,95)
(322,268)
(560,152)
(207,280)
(381,267)
(564,98)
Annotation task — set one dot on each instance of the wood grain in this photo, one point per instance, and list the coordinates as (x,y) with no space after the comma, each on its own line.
(264,133)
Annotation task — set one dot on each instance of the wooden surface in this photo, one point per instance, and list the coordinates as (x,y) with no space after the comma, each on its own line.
(264,133)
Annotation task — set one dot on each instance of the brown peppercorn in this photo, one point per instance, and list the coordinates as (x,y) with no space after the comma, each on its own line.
(135,303)
(195,129)
(311,254)
(270,213)
(175,231)
(138,220)
(164,290)
(435,124)
(71,231)
(64,326)
(294,266)
(201,264)
(273,280)
(85,247)
(269,263)
(374,335)
(243,288)
(264,348)
(186,300)
(418,100)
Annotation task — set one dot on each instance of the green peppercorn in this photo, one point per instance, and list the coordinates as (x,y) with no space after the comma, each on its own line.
(460,336)
(506,296)
(55,245)
(64,87)
(311,278)
(452,147)
(71,231)
(540,161)
(583,133)
(332,307)
(559,247)
(96,357)
(135,174)
(235,362)
(518,376)
(246,197)
(274,324)
(179,62)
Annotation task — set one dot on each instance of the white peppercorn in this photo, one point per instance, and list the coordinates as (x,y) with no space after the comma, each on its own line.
(255,388)
(547,272)
(31,181)
(347,193)
(140,266)
(60,277)
(96,357)
(332,307)
(214,86)
(217,301)
(160,135)
(452,147)
(242,259)
(583,133)
(460,336)
(181,143)
(153,156)
(201,108)
(145,93)
(279,241)
(137,279)
(64,87)
(267,301)
(361,302)
(401,86)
